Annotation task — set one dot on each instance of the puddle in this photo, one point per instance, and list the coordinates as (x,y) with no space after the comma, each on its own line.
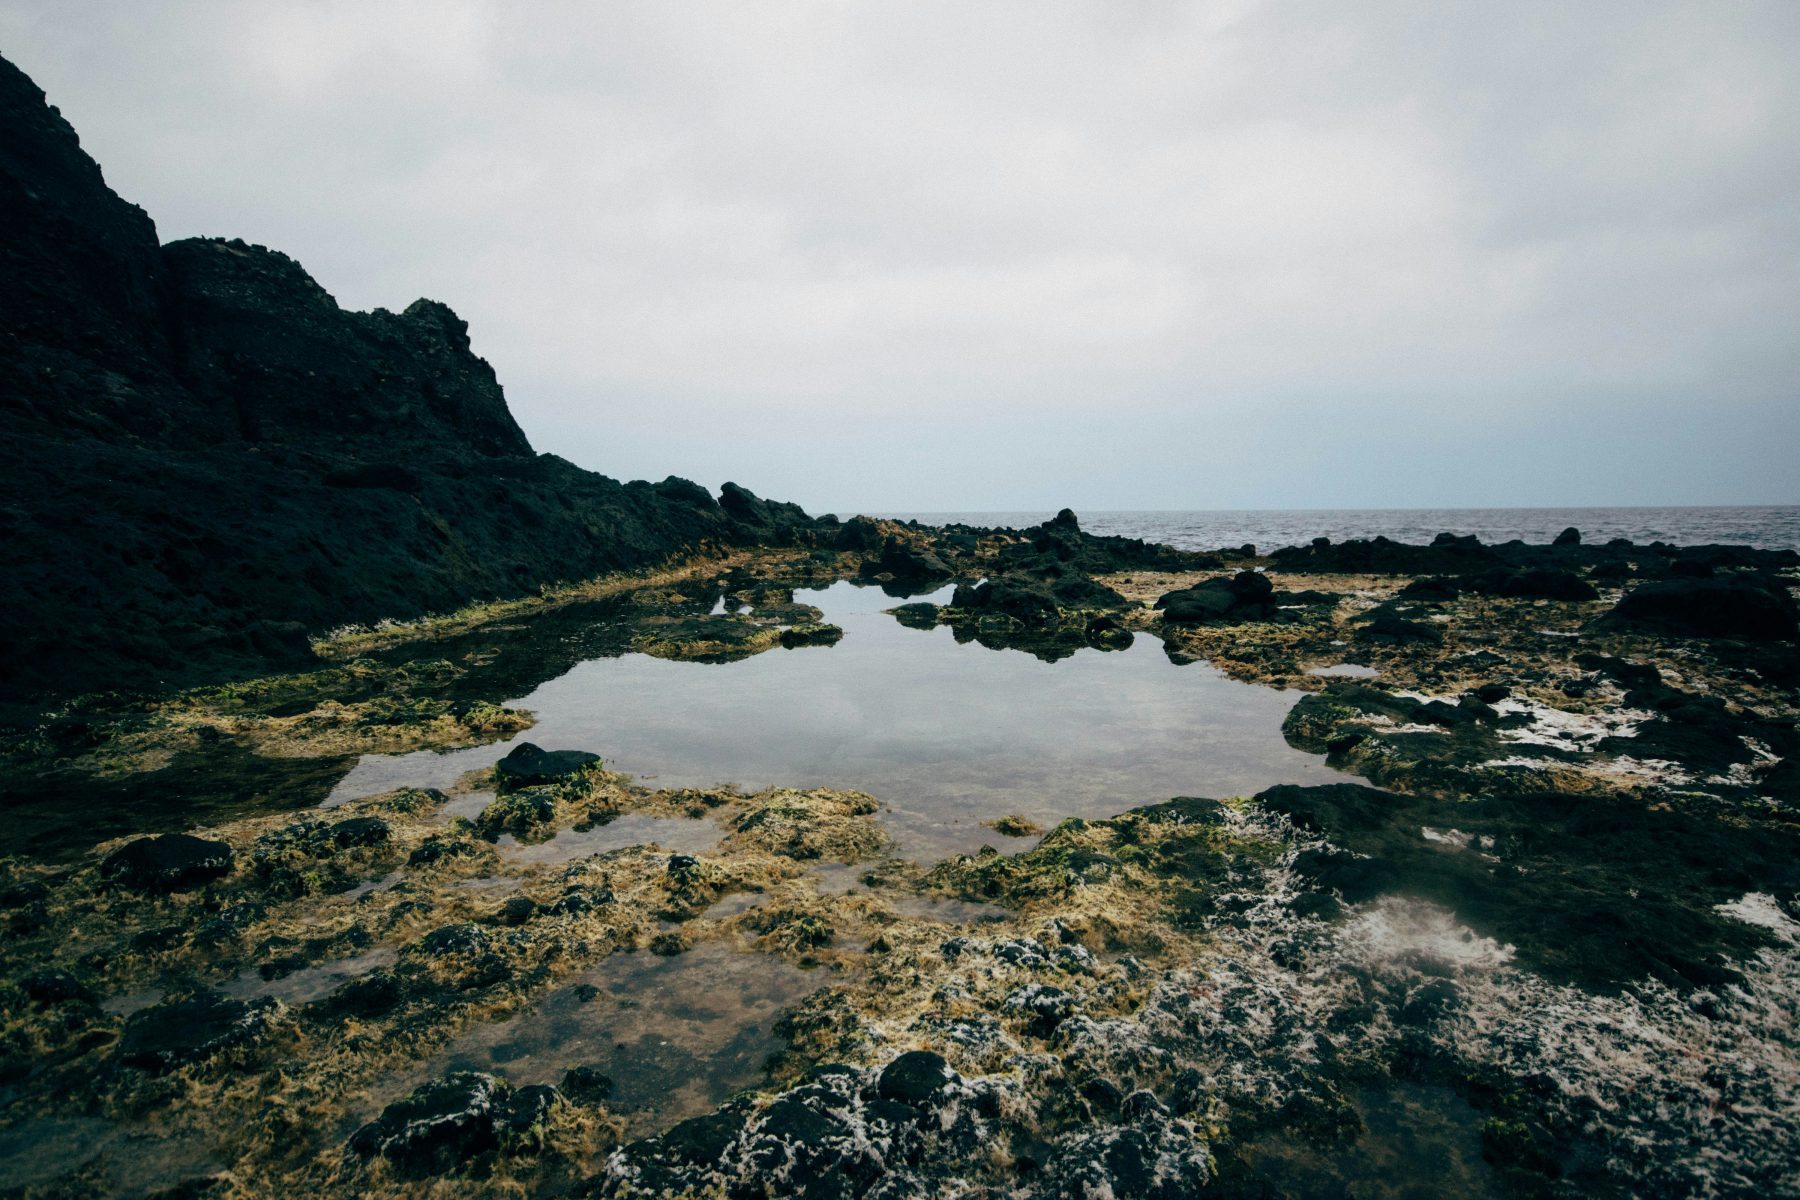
(1344,671)
(678,1036)
(682,835)
(946,735)
(369,885)
(1421,1143)
(947,912)
(308,983)
(130,1002)
(734,904)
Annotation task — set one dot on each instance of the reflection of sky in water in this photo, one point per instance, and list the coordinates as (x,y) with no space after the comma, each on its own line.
(945,735)
(676,1035)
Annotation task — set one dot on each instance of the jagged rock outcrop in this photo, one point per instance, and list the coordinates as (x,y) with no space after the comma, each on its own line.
(203,459)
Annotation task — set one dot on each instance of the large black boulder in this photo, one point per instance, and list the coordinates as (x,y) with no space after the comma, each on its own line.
(1246,596)
(1729,606)
(527,765)
(172,862)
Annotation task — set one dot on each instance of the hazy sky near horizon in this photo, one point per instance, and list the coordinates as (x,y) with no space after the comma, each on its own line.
(936,256)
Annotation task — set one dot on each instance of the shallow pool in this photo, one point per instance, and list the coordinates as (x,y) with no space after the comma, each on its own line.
(946,735)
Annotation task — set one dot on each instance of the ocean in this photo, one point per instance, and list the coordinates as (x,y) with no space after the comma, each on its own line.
(1773,527)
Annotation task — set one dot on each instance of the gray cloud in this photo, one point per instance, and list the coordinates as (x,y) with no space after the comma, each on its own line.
(1022,254)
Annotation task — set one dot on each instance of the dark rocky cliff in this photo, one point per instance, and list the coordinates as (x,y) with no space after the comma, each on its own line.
(203,458)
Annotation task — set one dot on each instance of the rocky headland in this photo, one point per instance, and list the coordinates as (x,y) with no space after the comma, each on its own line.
(208,462)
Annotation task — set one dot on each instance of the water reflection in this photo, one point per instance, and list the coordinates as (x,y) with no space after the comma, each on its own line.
(677,1036)
(946,735)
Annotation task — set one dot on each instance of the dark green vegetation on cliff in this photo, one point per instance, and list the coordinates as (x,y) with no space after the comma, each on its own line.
(204,460)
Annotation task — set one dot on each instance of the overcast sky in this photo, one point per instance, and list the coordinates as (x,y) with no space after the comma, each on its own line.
(1018,255)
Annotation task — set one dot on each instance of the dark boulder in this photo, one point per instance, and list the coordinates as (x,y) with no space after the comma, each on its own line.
(358,831)
(1568,537)
(587,1085)
(1246,596)
(918,1079)
(172,862)
(176,1034)
(1389,630)
(1028,603)
(1734,606)
(54,987)
(920,615)
(527,765)
(907,562)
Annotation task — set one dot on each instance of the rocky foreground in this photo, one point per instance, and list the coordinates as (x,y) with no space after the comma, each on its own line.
(1554,950)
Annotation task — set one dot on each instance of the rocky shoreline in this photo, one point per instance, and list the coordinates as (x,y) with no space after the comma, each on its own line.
(1561,933)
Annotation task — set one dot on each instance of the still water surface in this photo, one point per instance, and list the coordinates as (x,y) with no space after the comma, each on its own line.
(947,736)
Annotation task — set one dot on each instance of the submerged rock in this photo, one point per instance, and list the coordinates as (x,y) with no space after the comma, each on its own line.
(170,863)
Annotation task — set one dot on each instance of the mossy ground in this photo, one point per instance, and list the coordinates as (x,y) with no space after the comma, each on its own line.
(1262,968)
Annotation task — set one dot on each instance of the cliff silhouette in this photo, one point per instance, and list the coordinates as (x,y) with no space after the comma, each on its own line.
(204,460)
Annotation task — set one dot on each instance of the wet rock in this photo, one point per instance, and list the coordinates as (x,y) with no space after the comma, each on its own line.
(918,1079)
(1153,1158)
(1568,537)
(1388,630)
(1027,603)
(1737,606)
(1043,1007)
(527,1112)
(1528,583)
(358,831)
(812,633)
(859,534)
(587,1085)
(917,616)
(170,863)
(21,895)
(176,1034)
(527,765)
(1383,556)
(439,848)
(670,943)
(904,561)
(438,1127)
(524,814)
(516,911)
(371,995)
(1246,596)
(463,956)
(54,987)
